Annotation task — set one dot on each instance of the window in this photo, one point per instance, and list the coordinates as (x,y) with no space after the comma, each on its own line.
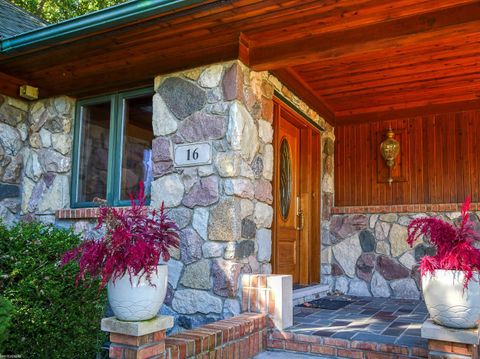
(113,148)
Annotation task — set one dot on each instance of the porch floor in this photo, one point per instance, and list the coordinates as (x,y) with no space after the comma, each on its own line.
(377,320)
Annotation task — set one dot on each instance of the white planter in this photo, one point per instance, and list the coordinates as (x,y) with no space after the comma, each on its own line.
(448,303)
(137,299)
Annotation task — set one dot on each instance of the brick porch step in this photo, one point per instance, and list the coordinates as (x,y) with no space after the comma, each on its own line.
(340,348)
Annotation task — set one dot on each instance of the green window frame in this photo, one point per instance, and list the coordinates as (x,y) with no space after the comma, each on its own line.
(115,141)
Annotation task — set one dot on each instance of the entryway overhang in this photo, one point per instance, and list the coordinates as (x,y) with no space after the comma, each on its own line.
(349,60)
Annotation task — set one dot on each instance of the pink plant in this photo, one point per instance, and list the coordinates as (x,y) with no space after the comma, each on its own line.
(454,243)
(135,240)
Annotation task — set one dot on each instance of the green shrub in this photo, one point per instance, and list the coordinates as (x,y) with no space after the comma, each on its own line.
(52,318)
(6,309)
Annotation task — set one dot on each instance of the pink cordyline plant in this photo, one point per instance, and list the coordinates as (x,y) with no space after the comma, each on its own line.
(136,240)
(454,243)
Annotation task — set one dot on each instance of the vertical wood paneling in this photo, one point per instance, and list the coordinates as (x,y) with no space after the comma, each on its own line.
(442,159)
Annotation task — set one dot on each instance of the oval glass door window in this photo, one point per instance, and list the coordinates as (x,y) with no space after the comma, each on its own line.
(285,178)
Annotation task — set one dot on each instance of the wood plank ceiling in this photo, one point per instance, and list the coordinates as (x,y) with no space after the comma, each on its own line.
(351,60)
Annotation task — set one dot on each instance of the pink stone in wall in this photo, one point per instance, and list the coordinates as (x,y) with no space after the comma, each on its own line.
(263,191)
(203,193)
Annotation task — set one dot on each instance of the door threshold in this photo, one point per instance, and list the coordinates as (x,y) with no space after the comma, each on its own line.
(307,294)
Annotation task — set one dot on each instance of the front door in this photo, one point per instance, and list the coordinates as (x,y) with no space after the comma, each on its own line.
(296,249)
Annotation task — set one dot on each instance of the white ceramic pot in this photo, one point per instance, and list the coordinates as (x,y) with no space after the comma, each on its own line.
(137,299)
(448,302)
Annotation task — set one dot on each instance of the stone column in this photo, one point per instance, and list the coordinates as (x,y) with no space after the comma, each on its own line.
(135,340)
(446,342)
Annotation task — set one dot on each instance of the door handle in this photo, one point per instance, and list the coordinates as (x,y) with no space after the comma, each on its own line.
(300,216)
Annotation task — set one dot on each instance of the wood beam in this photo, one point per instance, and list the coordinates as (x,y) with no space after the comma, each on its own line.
(297,85)
(371,37)
(377,114)
(10,85)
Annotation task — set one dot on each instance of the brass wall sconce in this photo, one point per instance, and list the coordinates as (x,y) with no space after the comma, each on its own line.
(389,149)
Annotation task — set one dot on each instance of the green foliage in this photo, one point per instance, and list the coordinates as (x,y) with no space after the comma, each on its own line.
(52,318)
(58,10)
(6,310)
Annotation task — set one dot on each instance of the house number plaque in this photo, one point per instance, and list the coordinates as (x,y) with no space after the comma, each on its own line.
(192,154)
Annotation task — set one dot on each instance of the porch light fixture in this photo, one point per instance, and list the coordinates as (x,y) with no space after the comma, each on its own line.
(389,149)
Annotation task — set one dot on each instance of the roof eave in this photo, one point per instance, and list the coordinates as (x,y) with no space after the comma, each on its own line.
(83,25)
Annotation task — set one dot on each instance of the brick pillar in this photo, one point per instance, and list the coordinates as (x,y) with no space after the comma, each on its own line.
(269,294)
(446,342)
(137,340)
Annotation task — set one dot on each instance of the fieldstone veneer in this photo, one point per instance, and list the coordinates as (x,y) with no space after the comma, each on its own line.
(224,209)
(368,255)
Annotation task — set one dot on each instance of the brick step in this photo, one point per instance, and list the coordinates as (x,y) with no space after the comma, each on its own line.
(340,348)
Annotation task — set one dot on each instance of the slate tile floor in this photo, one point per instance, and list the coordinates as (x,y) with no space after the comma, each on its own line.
(380,320)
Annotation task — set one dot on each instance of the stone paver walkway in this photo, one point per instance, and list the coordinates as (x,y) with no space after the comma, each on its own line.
(380,320)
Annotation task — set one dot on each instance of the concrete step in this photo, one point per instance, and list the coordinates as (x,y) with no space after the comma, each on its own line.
(310,293)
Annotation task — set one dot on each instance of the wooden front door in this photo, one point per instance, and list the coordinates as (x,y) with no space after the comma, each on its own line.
(296,249)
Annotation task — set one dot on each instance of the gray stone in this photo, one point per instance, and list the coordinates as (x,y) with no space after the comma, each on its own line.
(163,122)
(229,252)
(431,330)
(202,126)
(45,137)
(268,162)
(162,168)
(204,171)
(264,242)
(200,221)
(341,285)
(382,230)
(347,253)
(408,260)
(33,170)
(203,193)
(423,250)
(239,187)
(225,223)
(225,278)
(265,131)
(404,220)
(246,170)
(367,241)
(257,166)
(13,170)
(379,286)
(373,219)
(212,249)
(181,216)
(11,115)
(383,248)
(9,191)
(169,190)
(55,124)
(182,97)
(35,140)
(390,269)
(10,139)
(359,288)
(405,288)
(263,215)
(189,177)
(191,301)
(242,132)
(249,228)
(214,95)
(197,275)
(62,143)
(228,164)
(161,150)
(52,161)
(244,249)
(56,194)
(263,191)
(231,308)
(63,104)
(211,76)
(398,240)
(246,208)
(389,217)
(174,272)
(190,246)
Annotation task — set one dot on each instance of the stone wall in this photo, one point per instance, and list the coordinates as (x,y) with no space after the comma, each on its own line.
(224,209)
(13,138)
(368,255)
(35,157)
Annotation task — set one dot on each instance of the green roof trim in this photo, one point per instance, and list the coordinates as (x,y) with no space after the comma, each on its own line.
(98,20)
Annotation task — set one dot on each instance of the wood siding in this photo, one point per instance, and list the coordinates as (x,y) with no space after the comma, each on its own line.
(439,161)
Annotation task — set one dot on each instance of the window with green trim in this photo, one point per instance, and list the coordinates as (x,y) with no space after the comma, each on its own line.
(112,148)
